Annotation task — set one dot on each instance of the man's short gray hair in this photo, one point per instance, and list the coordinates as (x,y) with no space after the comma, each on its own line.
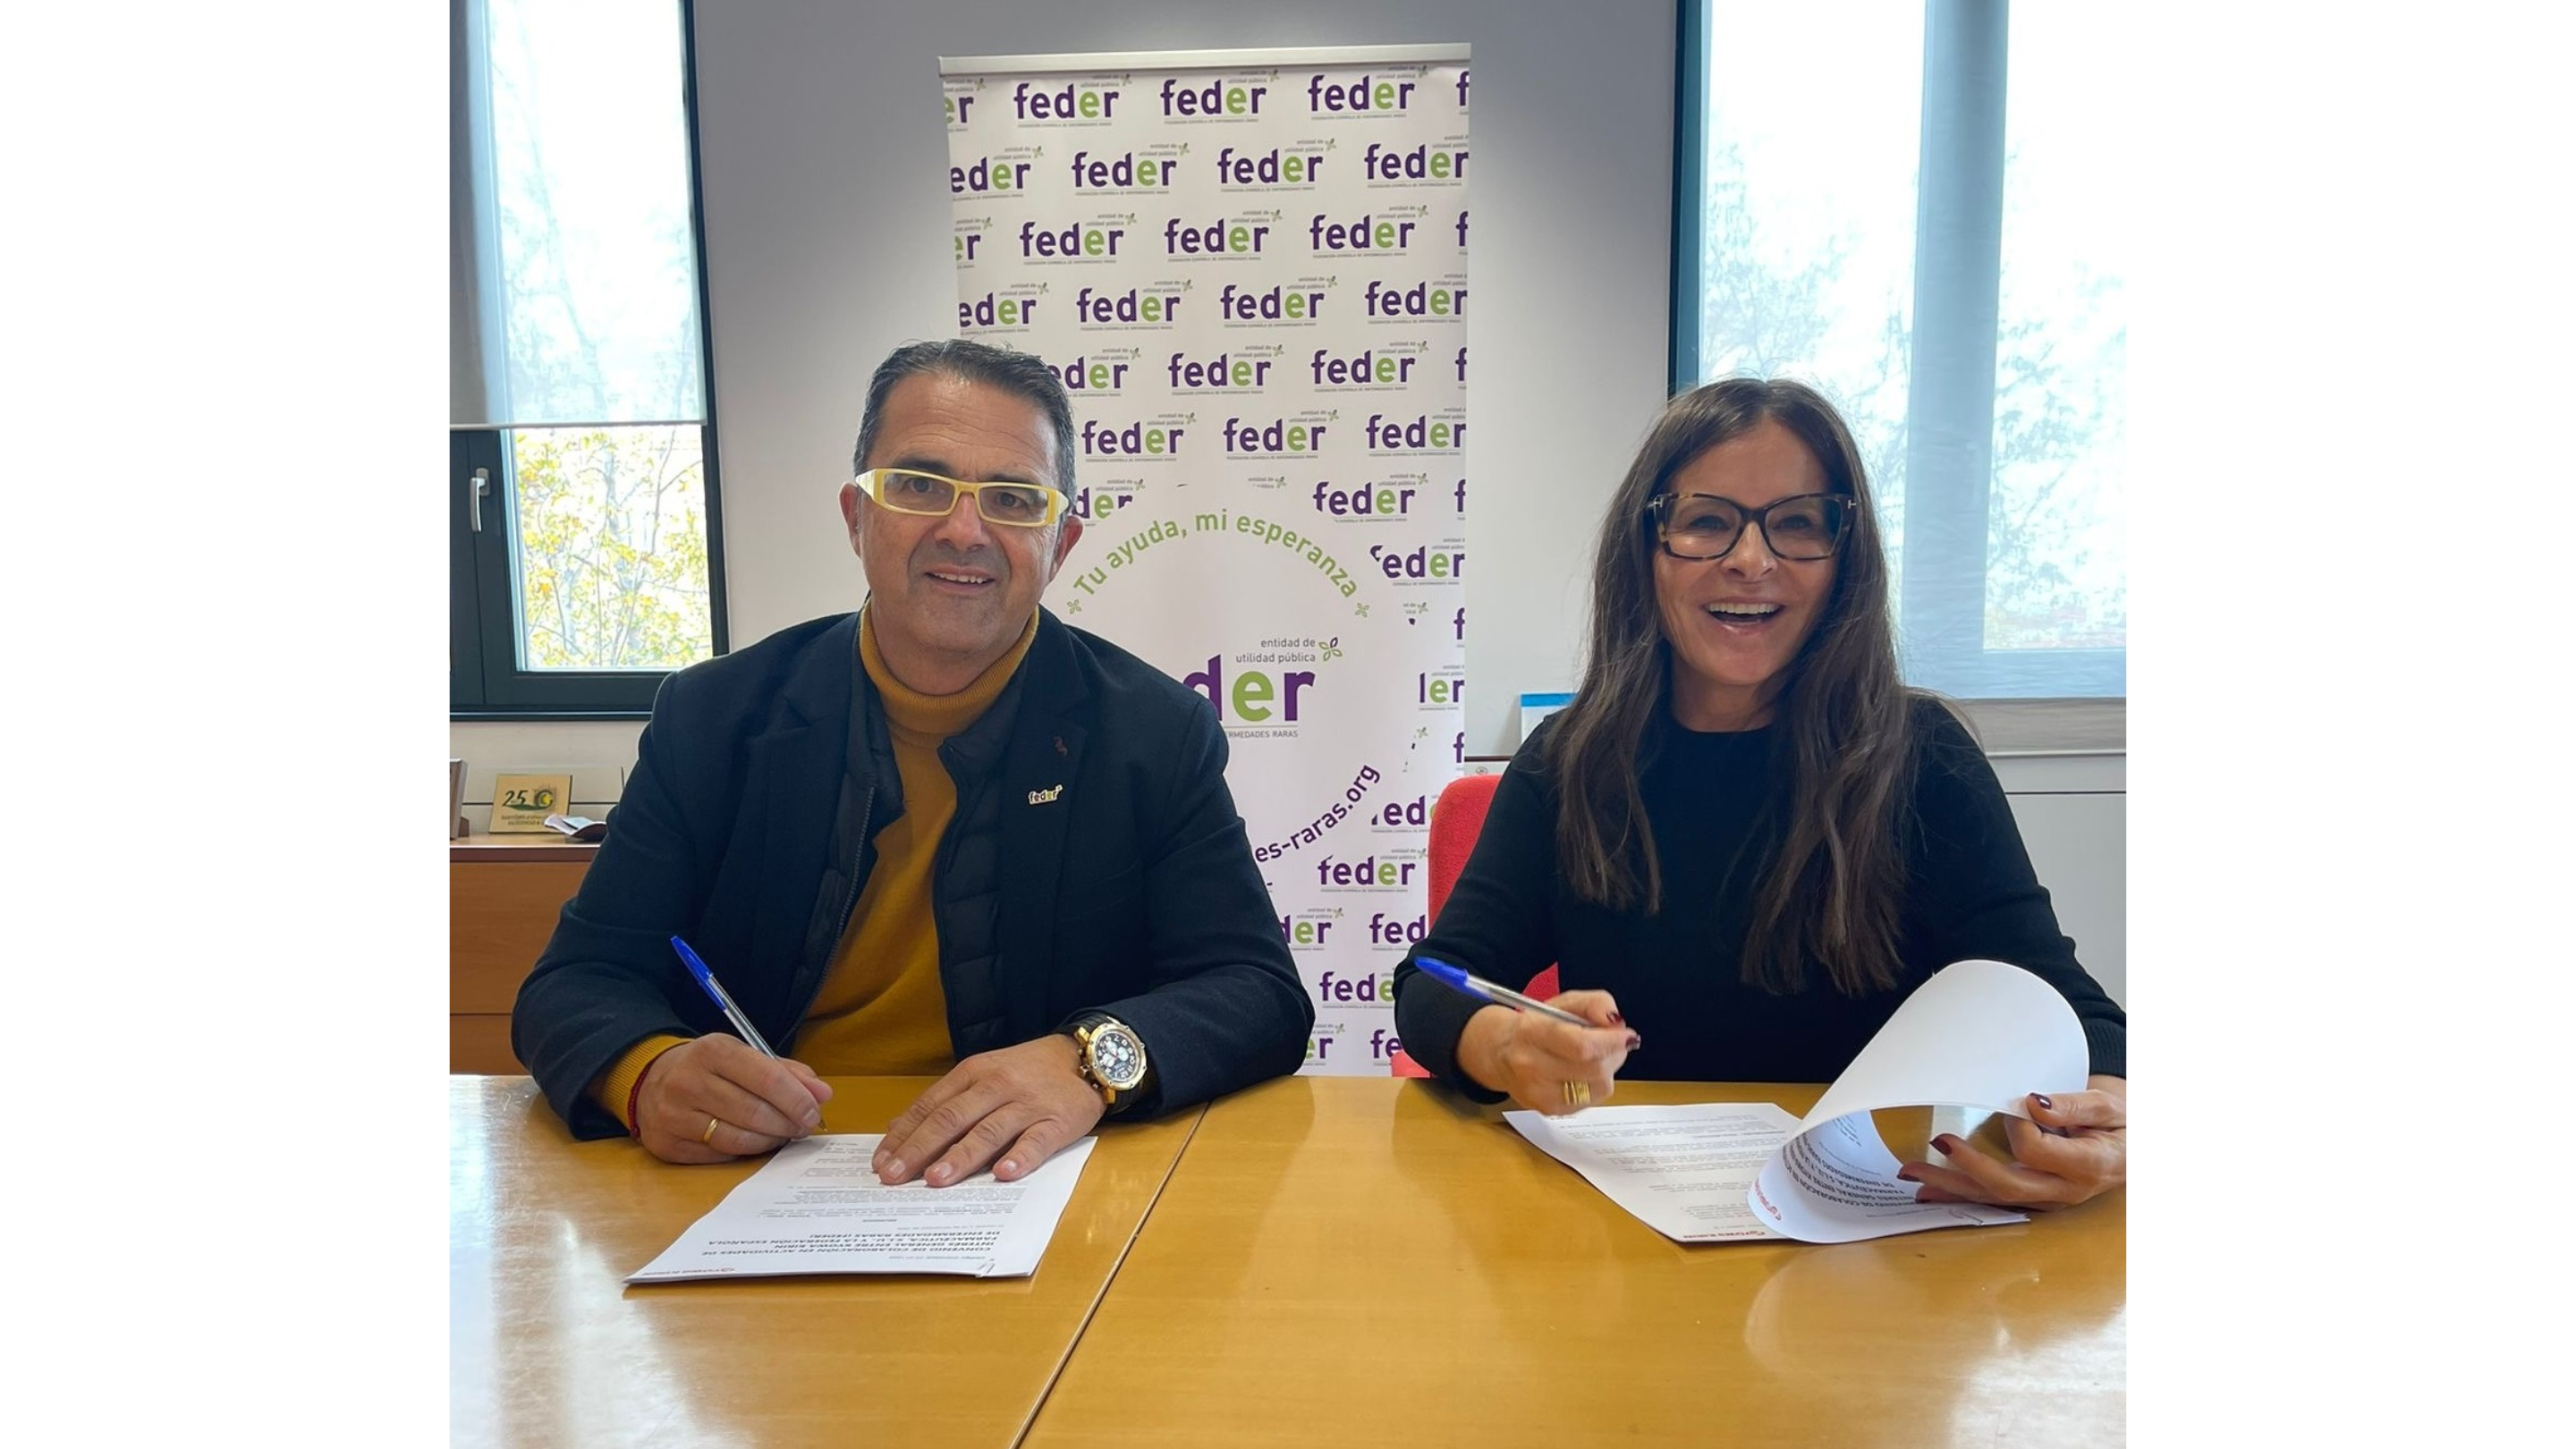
(1020,374)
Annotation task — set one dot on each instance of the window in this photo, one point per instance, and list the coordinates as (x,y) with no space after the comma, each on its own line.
(1917,211)
(581,460)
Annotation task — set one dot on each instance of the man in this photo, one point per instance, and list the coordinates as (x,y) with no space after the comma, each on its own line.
(947,834)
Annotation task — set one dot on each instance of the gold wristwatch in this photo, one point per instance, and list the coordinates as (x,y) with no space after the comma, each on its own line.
(1109,1055)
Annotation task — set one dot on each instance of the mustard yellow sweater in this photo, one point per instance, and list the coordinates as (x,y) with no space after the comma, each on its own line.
(881,1010)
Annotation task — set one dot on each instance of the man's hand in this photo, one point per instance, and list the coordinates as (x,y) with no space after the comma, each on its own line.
(755,1103)
(1533,1058)
(2083,1154)
(1021,1104)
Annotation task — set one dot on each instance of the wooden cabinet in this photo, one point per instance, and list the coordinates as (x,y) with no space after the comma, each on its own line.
(503,894)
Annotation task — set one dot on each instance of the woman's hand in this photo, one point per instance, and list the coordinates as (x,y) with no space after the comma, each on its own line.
(1549,1066)
(2083,1154)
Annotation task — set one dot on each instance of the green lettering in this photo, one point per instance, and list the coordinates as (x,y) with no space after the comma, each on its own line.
(1252,695)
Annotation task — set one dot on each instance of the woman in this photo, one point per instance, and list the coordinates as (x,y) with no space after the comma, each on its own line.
(1745,833)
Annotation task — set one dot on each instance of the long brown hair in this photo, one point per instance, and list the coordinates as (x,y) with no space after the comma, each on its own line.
(1832,893)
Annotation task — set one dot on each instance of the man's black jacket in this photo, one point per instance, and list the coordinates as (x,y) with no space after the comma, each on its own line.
(1114,873)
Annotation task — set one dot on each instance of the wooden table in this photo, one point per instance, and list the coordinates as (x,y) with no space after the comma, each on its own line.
(503,895)
(1364,1261)
(548,1346)
(1332,1261)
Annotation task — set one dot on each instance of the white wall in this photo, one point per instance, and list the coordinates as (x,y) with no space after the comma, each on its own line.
(2073,810)
(824,171)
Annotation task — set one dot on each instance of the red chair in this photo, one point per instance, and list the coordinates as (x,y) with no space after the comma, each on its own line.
(1456,817)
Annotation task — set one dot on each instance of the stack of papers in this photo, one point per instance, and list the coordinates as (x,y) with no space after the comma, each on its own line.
(1979,1035)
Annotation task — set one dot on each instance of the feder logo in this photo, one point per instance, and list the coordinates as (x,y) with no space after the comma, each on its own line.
(990,175)
(1446,298)
(1387,500)
(1425,564)
(1377,990)
(1019,308)
(1086,241)
(1387,166)
(1396,931)
(1368,873)
(1254,695)
(1278,166)
(1157,438)
(1307,934)
(1070,102)
(1129,172)
(1368,367)
(1419,434)
(1447,687)
(1148,306)
(1363,233)
(1097,503)
(1224,371)
(1093,373)
(1284,303)
(1250,437)
(1223,237)
(1219,98)
(1325,95)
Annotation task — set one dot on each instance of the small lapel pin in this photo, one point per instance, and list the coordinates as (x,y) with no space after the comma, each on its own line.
(1046,796)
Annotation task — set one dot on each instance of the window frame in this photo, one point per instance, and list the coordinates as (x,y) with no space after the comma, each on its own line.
(1941,610)
(484,679)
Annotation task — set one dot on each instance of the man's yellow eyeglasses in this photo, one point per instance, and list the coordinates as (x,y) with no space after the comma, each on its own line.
(1013,505)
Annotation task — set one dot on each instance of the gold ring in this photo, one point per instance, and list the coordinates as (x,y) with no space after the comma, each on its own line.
(1578,1094)
(708,1137)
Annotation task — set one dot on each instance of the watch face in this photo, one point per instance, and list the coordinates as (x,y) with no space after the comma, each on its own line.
(1117,1056)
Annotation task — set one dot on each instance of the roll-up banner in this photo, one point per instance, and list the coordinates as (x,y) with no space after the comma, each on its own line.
(1250,269)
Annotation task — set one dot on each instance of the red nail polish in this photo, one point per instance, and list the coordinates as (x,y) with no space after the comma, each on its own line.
(1617,1020)
(2043,1101)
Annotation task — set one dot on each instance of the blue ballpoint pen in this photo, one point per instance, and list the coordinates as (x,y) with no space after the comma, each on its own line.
(741,1024)
(707,983)
(1483,990)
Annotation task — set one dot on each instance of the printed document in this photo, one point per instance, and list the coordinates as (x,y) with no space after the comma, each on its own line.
(1979,1035)
(817,1207)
